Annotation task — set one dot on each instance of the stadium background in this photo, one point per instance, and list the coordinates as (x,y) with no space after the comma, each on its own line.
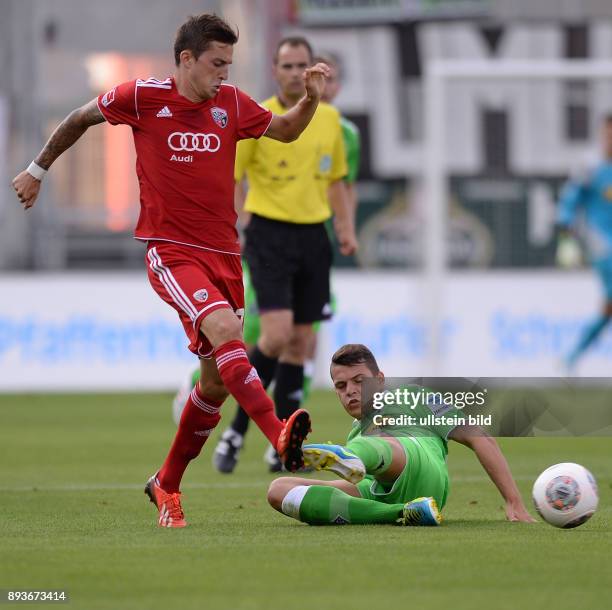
(77,313)
(503,309)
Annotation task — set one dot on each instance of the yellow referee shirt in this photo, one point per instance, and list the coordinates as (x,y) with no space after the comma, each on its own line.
(289,182)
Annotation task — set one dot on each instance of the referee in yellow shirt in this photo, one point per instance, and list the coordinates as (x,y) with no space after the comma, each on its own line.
(292,190)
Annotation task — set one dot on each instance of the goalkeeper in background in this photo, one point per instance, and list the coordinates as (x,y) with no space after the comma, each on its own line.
(383,474)
(589,195)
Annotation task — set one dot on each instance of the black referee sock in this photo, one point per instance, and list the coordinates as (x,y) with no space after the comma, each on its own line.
(288,391)
(266,368)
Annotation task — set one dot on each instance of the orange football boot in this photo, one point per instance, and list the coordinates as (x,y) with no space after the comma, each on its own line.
(289,444)
(169,504)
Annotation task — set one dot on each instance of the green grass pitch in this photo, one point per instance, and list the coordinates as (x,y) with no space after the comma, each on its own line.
(74,517)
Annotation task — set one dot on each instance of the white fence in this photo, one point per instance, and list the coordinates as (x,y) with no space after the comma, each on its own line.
(110,331)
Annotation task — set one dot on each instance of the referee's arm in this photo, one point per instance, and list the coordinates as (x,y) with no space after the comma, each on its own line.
(343,221)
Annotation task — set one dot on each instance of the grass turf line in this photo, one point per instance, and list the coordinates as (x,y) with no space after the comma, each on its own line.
(74,517)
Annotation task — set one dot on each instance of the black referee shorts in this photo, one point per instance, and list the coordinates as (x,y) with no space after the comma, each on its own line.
(290,265)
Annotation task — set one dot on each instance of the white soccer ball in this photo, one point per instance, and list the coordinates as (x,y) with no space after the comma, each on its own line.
(565,495)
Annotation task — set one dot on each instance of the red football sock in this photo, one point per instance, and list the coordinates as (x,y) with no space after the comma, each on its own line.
(199,418)
(243,383)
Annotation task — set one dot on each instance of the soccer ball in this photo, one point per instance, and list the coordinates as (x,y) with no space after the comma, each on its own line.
(565,495)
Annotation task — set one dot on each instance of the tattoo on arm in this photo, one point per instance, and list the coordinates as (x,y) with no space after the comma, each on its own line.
(68,132)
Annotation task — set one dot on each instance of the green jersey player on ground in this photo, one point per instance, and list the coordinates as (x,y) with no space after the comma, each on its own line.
(384,474)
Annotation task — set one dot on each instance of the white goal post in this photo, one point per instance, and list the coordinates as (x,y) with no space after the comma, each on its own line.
(438,75)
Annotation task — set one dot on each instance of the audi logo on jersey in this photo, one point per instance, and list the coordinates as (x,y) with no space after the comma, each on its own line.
(194,142)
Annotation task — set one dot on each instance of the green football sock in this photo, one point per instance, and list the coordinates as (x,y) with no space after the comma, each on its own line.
(375,453)
(322,505)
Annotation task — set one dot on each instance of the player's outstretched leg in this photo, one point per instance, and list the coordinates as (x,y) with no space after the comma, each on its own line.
(227,452)
(242,381)
(362,455)
(336,459)
(327,505)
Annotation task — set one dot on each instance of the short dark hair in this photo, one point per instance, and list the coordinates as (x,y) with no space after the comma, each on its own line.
(330,59)
(293,41)
(607,118)
(355,353)
(199,31)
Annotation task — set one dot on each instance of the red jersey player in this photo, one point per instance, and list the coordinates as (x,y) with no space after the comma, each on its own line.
(185,131)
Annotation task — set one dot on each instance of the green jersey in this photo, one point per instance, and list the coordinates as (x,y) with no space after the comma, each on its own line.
(352,147)
(251,327)
(417,412)
(352,151)
(421,423)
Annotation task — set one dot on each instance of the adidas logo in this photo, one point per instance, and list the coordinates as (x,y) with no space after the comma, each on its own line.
(252,376)
(164,113)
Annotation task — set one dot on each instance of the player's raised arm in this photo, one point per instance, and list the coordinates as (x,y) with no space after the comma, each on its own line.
(496,466)
(289,126)
(27,183)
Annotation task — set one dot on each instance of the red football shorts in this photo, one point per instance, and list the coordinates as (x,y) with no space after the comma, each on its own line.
(195,282)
